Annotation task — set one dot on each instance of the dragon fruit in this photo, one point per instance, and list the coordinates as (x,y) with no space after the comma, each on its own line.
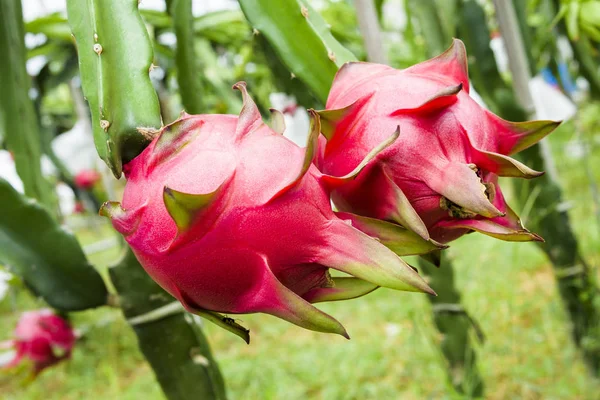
(440,178)
(229,216)
(42,337)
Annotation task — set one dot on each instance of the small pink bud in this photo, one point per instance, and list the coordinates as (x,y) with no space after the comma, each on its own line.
(43,338)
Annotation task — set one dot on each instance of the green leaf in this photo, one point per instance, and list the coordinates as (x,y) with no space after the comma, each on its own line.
(302,40)
(430,25)
(224,27)
(158,19)
(447,12)
(214,76)
(18,121)
(48,49)
(115,56)
(282,77)
(572,20)
(47,257)
(54,26)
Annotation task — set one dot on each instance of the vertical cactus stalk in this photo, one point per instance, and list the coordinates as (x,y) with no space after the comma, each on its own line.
(187,67)
(455,325)
(170,338)
(449,315)
(18,121)
(115,57)
(316,57)
(576,283)
(425,12)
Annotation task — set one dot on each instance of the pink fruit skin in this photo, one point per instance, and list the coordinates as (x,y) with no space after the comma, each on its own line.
(39,336)
(265,238)
(87,178)
(443,149)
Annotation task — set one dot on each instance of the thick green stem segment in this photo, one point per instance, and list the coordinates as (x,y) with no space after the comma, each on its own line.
(455,326)
(18,121)
(483,71)
(430,25)
(576,283)
(173,343)
(47,258)
(187,67)
(542,195)
(301,39)
(115,57)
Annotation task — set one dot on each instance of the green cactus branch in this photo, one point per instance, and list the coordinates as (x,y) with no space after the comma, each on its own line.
(455,324)
(115,54)
(51,261)
(173,344)
(187,67)
(576,283)
(301,39)
(457,345)
(115,57)
(18,121)
(430,24)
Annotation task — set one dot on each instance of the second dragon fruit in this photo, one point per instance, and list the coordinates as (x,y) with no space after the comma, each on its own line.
(440,178)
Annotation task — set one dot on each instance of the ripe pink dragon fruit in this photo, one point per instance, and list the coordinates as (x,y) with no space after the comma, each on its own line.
(440,178)
(87,178)
(231,217)
(43,338)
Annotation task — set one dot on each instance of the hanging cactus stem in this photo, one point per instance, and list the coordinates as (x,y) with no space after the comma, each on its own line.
(316,58)
(115,76)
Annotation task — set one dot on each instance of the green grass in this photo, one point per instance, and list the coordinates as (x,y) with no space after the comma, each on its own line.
(508,287)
